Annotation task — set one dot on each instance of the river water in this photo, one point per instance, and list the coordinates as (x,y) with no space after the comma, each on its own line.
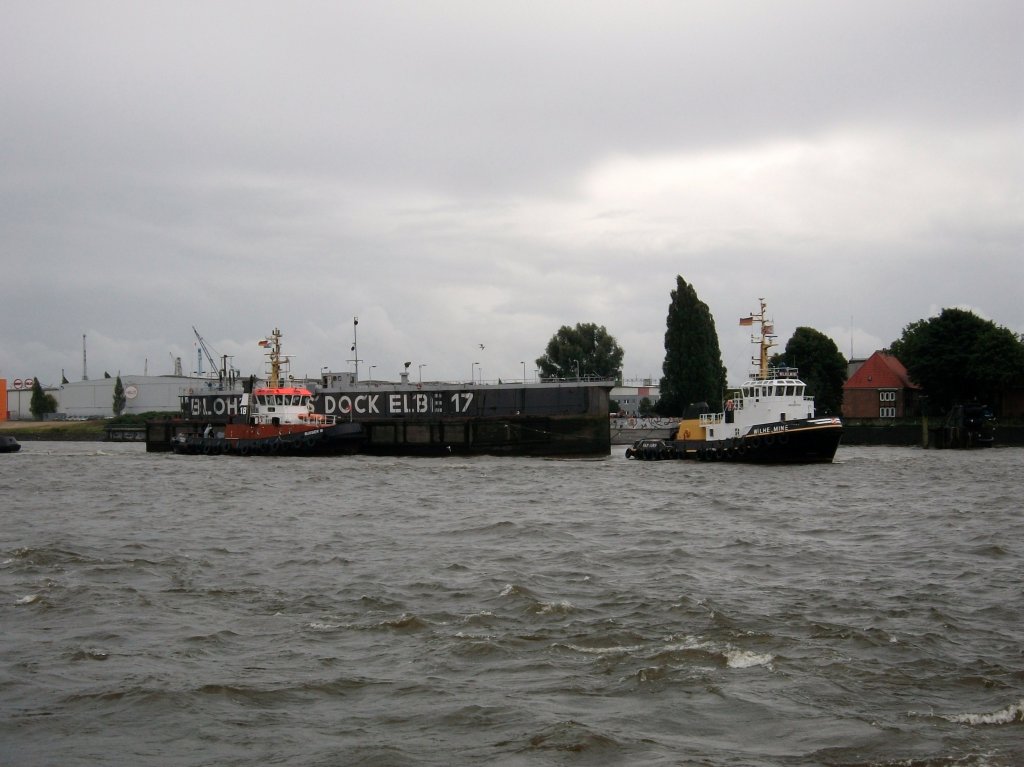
(170,610)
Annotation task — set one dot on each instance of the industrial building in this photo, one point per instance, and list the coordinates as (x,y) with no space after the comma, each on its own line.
(95,398)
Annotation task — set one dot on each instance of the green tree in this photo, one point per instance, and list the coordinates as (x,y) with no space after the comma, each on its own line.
(693,361)
(41,403)
(119,398)
(822,367)
(585,350)
(958,357)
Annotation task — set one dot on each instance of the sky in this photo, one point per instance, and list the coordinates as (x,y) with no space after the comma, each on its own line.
(467,177)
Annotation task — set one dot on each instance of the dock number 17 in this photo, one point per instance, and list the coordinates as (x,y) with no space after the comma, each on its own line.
(461,400)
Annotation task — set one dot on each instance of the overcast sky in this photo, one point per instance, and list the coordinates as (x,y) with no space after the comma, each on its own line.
(459,174)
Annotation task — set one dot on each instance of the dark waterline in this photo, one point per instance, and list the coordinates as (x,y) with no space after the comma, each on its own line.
(159,609)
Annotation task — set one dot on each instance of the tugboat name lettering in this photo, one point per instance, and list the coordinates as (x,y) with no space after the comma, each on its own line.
(771,429)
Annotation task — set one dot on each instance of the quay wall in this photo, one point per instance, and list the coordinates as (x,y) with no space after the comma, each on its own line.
(910,433)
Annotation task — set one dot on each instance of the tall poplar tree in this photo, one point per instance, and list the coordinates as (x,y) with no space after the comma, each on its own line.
(693,361)
(119,398)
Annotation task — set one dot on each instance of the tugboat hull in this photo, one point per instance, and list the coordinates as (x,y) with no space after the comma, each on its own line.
(811,441)
(341,439)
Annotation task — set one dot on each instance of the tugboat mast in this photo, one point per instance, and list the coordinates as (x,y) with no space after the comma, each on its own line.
(765,340)
(274,355)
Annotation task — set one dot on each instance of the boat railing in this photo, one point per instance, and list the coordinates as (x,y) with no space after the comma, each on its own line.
(711,419)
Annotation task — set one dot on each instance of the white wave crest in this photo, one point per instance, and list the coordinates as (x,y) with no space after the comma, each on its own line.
(27,600)
(617,650)
(556,607)
(743,659)
(1012,713)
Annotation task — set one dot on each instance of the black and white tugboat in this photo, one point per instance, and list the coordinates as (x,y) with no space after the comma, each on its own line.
(769,419)
(274,420)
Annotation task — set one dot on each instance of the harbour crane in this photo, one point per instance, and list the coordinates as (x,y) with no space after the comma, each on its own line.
(222,372)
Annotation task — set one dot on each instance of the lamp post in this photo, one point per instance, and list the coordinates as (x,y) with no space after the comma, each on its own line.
(472,372)
(355,344)
(523,363)
(371,371)
(423,365)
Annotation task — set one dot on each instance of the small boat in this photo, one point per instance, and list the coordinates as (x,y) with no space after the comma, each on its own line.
(769,419)
(9,445)
(274,420)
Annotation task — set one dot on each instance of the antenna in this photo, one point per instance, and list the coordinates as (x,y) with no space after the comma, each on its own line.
(85,371)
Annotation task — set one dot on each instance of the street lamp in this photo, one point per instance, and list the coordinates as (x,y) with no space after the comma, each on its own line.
(472,372)
(421,371)
(521,362)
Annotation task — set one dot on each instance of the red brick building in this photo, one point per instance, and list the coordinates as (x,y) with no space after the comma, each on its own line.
(880,388)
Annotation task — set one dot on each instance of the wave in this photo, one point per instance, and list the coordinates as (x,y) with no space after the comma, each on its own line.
(1012,714)
(573,737)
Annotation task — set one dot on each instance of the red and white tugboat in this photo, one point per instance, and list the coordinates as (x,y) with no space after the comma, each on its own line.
(275,420)
(769,419)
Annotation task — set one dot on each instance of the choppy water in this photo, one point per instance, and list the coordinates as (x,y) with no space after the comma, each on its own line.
(167,610)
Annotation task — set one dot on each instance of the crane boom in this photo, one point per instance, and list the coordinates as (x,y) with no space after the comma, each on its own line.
(206,351)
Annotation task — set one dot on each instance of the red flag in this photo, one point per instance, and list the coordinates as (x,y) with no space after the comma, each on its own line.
(264,342)
(746,320)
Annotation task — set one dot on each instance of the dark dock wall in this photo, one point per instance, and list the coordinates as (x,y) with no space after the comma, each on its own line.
(912,434)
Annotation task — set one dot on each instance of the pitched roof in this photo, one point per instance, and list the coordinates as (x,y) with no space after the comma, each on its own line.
(880,371)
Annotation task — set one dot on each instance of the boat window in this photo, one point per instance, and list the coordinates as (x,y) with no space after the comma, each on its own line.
(790,391)
(800,391)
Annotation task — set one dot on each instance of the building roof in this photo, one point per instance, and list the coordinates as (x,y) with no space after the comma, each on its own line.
(880,371)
